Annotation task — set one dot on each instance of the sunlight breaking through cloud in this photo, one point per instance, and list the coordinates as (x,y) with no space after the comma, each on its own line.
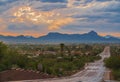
(59,22)
(27,14)
(67,16)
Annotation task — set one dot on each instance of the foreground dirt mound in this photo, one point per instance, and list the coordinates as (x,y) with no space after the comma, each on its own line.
(21,74)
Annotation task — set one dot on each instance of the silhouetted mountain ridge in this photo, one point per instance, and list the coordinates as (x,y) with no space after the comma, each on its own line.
(55,37)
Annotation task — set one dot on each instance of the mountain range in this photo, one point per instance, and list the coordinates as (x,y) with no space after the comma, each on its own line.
(55,37)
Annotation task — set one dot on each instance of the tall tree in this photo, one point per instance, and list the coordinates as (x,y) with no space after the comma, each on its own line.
(62,48)
(3,50)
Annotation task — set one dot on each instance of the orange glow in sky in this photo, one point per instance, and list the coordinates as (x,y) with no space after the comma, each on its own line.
(39,17)
(29,15)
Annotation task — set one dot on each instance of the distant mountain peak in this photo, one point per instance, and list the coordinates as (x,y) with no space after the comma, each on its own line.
(23,36)
(56,37)
(20,36)
(53,33)
(108,36)
(92,33)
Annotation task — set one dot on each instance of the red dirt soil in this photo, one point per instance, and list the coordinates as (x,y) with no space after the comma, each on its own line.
(16,75)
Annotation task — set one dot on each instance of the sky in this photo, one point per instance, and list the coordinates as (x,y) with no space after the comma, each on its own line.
(39,17)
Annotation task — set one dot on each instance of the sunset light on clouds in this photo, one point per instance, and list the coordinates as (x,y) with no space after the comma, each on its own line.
(39,17)
(53,20)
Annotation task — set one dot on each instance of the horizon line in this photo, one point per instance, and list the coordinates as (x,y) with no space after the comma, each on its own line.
(39,35)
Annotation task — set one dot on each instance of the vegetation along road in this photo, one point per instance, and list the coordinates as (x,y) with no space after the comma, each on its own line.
(93,72)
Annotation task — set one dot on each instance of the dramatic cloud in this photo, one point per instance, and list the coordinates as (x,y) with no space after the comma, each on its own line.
(28,15)
(67,16)
(60,22)
(26,18)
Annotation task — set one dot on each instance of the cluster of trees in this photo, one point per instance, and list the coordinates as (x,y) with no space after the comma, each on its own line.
(113,62)
(9,58)
(56,65)
(115,50)
(60,66)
